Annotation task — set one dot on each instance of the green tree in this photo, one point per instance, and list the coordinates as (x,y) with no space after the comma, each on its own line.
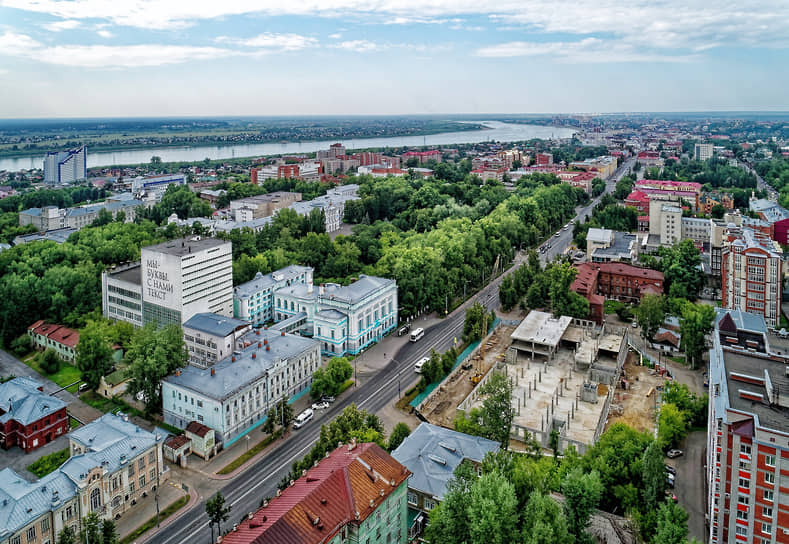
(399,433)
(67,536)
(280,414)
(153,355)
(497,413)
(217,513)
(653,476)
(582,492)
(50,362)
(91,528)
(104,218)
(650,314)
(694,407)
(330,380)
(109,535)
(564,301)
(672,524)
(717,211)
(449,521)
(544,521)
(694,326)
(94,356)
(672,426)
(491,506)
(477,321)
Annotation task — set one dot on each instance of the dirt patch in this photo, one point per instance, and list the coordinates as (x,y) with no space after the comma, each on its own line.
(441,406)
(635,405)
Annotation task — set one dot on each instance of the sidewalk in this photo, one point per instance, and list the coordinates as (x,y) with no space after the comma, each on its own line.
(210,468)
(169,492)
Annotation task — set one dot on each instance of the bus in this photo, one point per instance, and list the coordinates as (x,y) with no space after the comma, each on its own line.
(417,334)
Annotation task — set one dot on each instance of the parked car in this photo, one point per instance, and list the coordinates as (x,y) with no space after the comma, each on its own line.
(671,470)
(320,405)
(670,481)
(671,454)
(327,398)
(302,418)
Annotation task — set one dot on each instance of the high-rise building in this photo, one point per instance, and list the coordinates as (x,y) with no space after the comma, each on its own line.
(173,281)
(747,451)
(751,273)
(702,152)
(66,166)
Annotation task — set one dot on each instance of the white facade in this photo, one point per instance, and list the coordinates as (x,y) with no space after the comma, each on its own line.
(702,152)
(66,166)
(121,294)
(186,276)
(211,337)
(343,319)
(153,187)
(665,221)
(234,396)
(253,301)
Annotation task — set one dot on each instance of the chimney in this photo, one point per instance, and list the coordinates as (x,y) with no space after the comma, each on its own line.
(283,333)
(254,355)
(260,344)
(265,341)
(213,371)
(233,359)
(257,332)
(268,348)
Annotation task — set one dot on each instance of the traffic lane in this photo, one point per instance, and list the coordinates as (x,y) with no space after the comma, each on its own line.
(690,485)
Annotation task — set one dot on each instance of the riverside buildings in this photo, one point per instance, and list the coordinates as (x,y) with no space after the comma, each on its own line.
(174,281)
(66,166)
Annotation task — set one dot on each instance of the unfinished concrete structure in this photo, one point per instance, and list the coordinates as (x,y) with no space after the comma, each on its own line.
(562,372)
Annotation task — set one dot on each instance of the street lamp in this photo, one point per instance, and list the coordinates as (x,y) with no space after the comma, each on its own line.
(247,437)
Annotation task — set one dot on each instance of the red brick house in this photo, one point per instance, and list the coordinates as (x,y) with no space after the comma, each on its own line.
(28,417)
(620,281)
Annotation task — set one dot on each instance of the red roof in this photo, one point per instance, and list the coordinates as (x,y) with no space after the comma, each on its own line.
(56,333)
(346,487)
(198,429)
(638,195)
(585,280)
(176,442)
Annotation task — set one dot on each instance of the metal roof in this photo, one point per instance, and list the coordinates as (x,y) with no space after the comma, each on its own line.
(432,454)
(21,401)
(218,325)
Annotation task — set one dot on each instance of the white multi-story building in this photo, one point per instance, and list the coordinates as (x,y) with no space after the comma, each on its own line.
(234,395)
(665,221)
(211,337)
(175,280)
(52,218)
(253,301)
(153,187)
(702,152)
(66,166)
(345,319)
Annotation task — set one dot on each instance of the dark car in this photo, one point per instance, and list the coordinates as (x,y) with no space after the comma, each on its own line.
(671,470)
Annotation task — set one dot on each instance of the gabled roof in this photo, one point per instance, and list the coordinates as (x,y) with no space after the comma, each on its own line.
(432,454)
(736,320)
(22,502)
(21,401)
(345,487)
(197,428)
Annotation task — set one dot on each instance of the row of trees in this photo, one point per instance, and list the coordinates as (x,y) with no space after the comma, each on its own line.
(535,287)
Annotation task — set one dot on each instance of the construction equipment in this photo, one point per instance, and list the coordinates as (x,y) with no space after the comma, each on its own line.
(476,378)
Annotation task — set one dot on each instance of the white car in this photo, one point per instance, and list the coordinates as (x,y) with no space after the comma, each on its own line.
(418,366)
(320,405)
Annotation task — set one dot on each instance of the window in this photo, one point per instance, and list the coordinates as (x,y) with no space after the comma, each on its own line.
(16,540)
(743,499)
(69,512)
(44,526)
(142,481)
(131,487)
(768,495)
(769,477)
(429,504)
(131,470)
(769,460)
(141,463)
(767,511)
(152,474)
(740,530)
(199,403)
(745,448)
(31,534)
(744,482)
(152,457)
(767,528)
(95,499)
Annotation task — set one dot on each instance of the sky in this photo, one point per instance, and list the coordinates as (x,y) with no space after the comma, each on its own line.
(118,58)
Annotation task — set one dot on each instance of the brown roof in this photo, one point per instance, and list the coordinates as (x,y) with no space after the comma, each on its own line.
(198,429)
(57,333)
(668,336)
(176,442)
(346,487)
(630,270)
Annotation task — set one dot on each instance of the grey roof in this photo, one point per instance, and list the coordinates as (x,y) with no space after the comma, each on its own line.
(183,246)
(267,281)
(358,290)
(432,454)
(31,211)
(131,273)
(22,502)
(761,204)
(331,315)
(21,401)
(218,325)
(541,328)
(620,246)
(237,371)
(109,430)
(599,235)
(58,235)
(743,320)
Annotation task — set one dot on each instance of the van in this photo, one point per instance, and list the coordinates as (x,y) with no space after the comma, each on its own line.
(83,387)
(417,334)
(403,330)
(418,366)
(303,418)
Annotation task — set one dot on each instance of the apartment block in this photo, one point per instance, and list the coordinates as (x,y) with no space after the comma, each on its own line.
(66,166)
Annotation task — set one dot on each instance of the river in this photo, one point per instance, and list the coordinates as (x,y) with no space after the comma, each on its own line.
(497,131)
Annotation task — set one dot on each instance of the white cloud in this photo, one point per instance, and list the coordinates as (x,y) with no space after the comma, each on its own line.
(105,33)
(272,41)
(589,50)
(67,24)
(358,46)
(335,36)
(106,56)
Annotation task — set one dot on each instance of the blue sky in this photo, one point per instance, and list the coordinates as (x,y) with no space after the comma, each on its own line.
(80,58)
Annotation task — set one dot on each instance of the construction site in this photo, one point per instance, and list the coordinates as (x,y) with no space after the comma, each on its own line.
(564,372)
(635,398)
(440,407)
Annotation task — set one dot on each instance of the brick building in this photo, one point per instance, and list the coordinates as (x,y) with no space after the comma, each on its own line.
(29,418)
(599,281)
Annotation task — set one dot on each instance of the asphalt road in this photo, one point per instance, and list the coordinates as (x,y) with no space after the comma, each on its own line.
(260,481)
(690,486)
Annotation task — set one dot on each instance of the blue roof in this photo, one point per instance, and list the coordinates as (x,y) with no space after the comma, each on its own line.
(21,401)
(432,454)
(743,320)
(22,502)
(235,372)
(267,281)
(218,325)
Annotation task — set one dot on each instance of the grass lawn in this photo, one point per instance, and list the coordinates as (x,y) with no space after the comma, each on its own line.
(73,423)
(610,306)
(66,375)
(164,514)
(409,395)
(344,387)
(48,463)
(249,454)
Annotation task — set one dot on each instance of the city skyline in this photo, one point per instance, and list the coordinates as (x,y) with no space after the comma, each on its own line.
(89,58)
